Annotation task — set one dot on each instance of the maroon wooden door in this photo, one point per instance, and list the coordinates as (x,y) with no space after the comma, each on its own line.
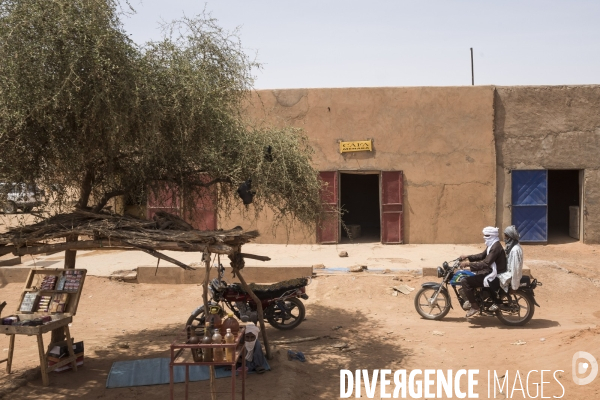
(165,199)
(328,226)
(391,206)
(204,215)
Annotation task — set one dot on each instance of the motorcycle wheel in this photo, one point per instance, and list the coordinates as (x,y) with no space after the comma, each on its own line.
(277,318)
(523,309)
(426,309)
(196,321)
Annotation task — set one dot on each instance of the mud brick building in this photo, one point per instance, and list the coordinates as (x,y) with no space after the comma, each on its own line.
(437,164)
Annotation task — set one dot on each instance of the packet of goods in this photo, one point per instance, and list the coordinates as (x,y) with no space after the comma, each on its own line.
(10,320)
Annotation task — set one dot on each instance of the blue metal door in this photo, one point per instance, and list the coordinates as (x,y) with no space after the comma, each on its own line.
(530,204)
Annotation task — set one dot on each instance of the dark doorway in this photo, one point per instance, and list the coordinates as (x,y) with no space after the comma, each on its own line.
(359,198)
(563,192)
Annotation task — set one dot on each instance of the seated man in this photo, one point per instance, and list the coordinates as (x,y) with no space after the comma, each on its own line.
(486,265)
(255,359)
(514,269)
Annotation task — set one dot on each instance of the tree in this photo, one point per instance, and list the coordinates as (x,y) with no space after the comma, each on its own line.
(85,109)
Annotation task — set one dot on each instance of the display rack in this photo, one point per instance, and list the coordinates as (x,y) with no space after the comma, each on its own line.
(177,349)
(58,320)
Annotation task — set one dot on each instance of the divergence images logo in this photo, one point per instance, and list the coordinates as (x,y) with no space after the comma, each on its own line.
(582,367)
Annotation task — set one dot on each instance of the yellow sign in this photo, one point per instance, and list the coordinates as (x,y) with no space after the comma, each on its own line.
(361,145)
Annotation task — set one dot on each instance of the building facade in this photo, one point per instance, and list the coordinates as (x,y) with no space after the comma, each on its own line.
(444,162)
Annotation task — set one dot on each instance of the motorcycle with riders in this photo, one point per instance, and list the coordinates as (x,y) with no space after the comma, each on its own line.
(515,308)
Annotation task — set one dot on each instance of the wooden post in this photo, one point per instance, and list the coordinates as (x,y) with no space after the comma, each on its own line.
(206,259)
(43,360)
(58,335)
(70,255)
(11,350)
(259,308)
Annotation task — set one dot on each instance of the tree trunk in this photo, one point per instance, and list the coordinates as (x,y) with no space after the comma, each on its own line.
(86,189)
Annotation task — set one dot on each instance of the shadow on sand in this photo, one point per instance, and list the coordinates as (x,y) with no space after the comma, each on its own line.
(363,342)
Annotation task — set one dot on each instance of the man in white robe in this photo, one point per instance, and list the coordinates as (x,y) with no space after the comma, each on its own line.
(514,267)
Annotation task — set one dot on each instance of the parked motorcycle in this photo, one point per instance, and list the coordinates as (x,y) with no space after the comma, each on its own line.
(281,302)
(515,308)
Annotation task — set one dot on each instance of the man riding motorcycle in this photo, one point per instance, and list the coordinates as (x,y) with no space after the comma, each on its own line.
(486,265)
(514,270)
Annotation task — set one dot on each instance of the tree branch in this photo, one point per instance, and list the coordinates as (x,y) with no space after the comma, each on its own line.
(107,196)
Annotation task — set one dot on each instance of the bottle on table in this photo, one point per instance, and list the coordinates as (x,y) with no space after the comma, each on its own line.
(229,352)
(217,351)
(230,323)
(207,353)
(214,317)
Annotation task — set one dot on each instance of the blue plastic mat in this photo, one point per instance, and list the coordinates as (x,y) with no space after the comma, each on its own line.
(155,371)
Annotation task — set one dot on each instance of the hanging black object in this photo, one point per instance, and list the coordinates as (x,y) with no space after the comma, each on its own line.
(268,155)
(245,192)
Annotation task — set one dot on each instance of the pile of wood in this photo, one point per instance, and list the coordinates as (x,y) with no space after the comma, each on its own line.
(82,230)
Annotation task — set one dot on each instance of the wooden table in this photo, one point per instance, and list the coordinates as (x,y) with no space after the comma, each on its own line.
(62,322)
(177,348)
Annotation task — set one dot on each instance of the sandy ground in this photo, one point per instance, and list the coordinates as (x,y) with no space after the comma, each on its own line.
(378,257)
(382,331)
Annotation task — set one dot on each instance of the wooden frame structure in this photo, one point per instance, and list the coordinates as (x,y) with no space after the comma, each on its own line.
(102,231)
(239,351)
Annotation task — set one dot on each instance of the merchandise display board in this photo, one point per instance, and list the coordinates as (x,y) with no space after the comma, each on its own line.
(48,302)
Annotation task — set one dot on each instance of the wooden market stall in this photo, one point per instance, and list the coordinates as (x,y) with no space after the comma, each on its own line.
(84,230)
(48,302)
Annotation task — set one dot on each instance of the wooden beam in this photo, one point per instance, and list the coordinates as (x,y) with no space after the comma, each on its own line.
(255,257)
(156,254)
(115,245)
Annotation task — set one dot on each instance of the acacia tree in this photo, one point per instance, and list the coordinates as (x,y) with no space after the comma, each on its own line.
(85,109)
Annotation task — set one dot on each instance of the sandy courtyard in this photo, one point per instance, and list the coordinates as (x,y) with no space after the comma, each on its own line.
(382,332)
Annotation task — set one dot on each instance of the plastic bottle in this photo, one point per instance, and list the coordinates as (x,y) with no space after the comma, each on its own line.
(229,339)
(217,351)
(214,318)
(207,353)
(230,323)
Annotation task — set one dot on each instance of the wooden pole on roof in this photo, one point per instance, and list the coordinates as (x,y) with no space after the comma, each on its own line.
(259,308)
(206,259)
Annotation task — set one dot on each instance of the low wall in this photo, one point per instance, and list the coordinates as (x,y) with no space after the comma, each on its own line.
(176,275)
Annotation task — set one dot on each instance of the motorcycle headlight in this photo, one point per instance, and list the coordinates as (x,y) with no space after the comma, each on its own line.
(440,272)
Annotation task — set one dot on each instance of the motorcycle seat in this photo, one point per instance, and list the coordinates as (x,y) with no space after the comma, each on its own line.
(276,289)
(525,281)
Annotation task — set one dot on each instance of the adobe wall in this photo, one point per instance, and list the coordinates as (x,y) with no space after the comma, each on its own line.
(549,127)
(441,137)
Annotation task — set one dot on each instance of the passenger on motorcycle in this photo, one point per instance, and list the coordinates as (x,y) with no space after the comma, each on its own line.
(514,270)
(486,265)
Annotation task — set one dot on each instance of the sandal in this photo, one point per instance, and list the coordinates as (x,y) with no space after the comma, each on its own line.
(260,370)
(293,355)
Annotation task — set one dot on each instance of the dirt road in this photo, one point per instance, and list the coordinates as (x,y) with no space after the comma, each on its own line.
(381,331)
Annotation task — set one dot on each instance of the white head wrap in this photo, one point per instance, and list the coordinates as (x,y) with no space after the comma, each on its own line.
(253,329)
(490,237)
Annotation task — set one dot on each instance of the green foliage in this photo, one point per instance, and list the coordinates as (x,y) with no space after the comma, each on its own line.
(83,107)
